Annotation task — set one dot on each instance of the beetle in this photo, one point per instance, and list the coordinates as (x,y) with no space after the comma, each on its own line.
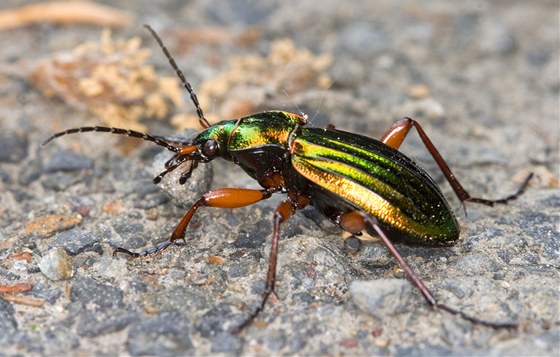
(358,183)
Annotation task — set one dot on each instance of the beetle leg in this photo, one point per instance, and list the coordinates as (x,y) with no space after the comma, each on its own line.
(222,198)
(396,135)
(185,175)
(428,296)
(284,211)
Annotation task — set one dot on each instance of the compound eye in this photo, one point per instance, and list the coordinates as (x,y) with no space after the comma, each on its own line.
(210,148)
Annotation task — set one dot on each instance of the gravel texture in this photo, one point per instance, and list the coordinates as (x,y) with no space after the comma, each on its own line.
(481,77)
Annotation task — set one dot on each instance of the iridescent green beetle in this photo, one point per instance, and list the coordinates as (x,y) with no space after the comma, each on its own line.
(358,183)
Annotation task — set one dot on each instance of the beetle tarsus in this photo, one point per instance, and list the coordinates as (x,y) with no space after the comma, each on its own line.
(185,175)
(147,252)
(495,325)
(255,313)
(504,200)
(125,251)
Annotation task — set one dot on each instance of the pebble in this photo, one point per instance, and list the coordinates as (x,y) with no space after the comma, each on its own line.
(56,264)
(76,241)
(382,298)
(87,290)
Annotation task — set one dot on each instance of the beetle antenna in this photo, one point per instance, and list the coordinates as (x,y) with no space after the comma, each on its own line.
(201,119)
(117,131)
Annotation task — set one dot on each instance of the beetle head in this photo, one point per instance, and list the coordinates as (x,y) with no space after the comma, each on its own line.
(204,147)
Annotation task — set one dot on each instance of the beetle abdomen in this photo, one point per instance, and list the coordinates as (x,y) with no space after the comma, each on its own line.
(377,179)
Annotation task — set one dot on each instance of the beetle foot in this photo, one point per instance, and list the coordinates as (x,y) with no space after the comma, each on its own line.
(255,313)
(150,251)
(477,321)
(505,200)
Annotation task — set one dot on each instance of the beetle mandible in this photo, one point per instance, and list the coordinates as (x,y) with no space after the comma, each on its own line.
(358,183)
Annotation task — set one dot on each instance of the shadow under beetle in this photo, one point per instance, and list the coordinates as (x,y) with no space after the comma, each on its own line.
(358,183)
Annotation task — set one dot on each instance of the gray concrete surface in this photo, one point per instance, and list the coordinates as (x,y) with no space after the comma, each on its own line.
(492,72)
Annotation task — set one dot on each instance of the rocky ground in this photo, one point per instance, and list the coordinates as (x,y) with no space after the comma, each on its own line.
(481,77)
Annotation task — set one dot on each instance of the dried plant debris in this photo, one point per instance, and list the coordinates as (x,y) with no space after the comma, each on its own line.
(111,81)
(250,80)
(64,12)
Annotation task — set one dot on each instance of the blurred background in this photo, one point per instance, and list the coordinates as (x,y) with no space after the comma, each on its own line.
(482,77)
